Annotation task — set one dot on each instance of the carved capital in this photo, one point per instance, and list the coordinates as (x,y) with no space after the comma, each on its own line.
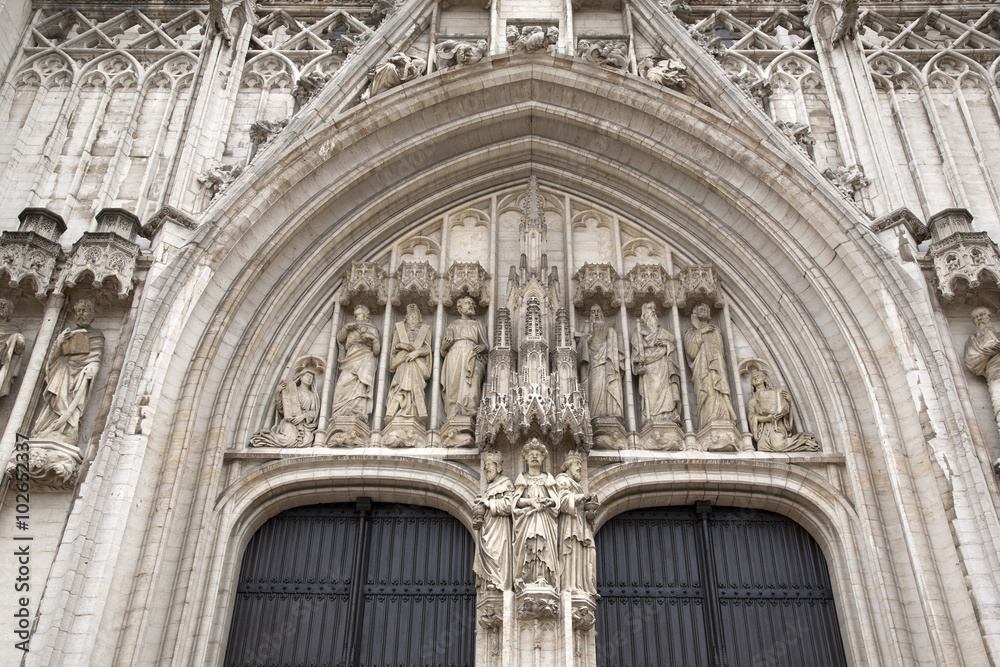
(364,283)
(404,432)
(648,282)
(696,283)
(582,613)
(415,282)
(597,284)
(466,279)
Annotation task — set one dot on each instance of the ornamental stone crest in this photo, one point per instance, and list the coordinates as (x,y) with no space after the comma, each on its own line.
(466,279)
(648,282)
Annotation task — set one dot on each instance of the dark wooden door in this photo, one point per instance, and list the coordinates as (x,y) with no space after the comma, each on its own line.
(704,587)
(355,584)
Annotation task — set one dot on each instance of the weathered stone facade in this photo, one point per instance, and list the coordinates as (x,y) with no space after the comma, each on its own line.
(782,218)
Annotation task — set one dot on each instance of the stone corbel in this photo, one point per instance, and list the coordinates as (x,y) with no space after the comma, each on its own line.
(365,283)
(648,282)
(961,256)
(466,279)
(415,283)
(697,283)
(597,284)
(109,253)
(50,465)
(30,254)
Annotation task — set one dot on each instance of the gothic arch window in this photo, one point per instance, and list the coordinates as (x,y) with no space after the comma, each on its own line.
(355,583)
(697,586)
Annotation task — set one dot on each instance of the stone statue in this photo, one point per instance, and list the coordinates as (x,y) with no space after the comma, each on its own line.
(453,52)
(397,70)
(297,406)
(654,361)
(491,518)
(668,72)
(410,364)
(11,346)
(531,38)
(770,413)
(576,531)
(535,508)
(359,349)
(705,350)
(982,355)
(601,363)
(69,377)
(465,347)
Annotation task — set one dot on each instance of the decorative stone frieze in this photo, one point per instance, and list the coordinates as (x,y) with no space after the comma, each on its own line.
(415,282)
(609,52)
(395,71)
(696,283)
(531,38)
(962,258)
(108,253)
(648,282)
(466,279)
(365,283)
(597,284)
(460,52)
(30,254)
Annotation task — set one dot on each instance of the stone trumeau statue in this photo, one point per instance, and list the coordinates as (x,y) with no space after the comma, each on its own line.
(411,366)
(601,362)
(491,520)
(535,508)
(576,531)
(359,350)
(296,405)
(11,346)
(704,347)
(70,373)
(465,346)
(654,361)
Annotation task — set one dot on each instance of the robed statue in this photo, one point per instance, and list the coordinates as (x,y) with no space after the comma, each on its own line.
(602,360)
(491,520)
(359,349)
(69,377)
(410,364)
(654,361)
(11,346)
(465,347)
(296,407)
(576,530)
(535,508)
(770,413)
(704,347)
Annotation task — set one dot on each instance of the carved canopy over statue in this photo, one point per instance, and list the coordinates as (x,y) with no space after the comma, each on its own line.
(69,377)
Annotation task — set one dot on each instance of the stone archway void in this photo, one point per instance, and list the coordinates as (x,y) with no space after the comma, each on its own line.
(355,584)
(697,587)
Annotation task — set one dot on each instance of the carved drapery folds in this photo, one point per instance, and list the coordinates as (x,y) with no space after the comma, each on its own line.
(108,253)
(962,258)
(29,255)
(395,71)
(296,408)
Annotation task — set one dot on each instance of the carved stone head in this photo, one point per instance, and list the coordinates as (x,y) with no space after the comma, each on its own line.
(6,309)
(701,314)
(534,454)
(573,466)
(84,310)
(492,465)
(982,317)
(759,380)
(596,314)
(413,317)
(466,306)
